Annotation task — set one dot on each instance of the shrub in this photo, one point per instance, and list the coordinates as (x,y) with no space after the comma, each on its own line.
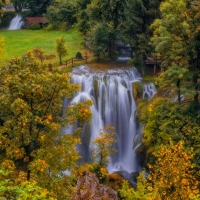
(35,26)
(79,55)
(49,27)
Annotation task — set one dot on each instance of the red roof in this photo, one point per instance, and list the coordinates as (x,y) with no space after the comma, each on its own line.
(36,20)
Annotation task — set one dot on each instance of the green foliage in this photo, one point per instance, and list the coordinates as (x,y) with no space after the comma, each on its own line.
(79,55)
(102,24)
(61,11)
(35,26)
(49,27)
(138,90)
(171,33)
(140,193)
(31,119)
(82,15)
(38,7)
(6,19)
(99,39)
(61,48)
(19,4)
(14,187)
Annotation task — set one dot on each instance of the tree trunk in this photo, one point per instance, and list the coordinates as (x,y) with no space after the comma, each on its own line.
(28,175)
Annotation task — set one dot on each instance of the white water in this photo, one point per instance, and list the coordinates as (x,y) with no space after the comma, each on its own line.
(16,23)
(113,104)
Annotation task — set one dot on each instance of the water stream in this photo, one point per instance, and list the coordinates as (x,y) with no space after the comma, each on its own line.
(16,23)
(113,104)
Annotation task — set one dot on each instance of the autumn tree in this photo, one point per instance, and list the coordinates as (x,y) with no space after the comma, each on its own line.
(61,48)
(32,119)
(172,176)
(39,54)
(15,187)
(103,149)
(2,47)
(104,146)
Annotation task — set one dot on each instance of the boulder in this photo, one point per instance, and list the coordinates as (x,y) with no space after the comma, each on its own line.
(88,187)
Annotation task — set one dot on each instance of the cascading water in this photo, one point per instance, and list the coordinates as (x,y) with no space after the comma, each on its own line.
(16,23)
(113,104)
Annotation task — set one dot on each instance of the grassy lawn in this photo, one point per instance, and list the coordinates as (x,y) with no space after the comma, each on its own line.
(17,42)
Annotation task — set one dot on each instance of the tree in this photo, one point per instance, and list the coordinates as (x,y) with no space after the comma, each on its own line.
(171,39)
(104,146)
(99,39)
(1,5)
(61,11)
(105,13)
(135,26)
(38,7)
(39,54)
(171,33)
(172,176)
(32,119)
(102,151)
(61,48)
(194,46)
(19,4)
(82,15)
(14,187)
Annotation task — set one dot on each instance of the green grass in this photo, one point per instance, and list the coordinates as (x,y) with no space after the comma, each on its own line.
(17,42)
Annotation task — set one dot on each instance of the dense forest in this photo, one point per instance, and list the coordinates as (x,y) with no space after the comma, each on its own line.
(35,153)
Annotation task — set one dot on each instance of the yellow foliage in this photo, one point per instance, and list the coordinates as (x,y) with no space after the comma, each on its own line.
(2,47)
(172,177)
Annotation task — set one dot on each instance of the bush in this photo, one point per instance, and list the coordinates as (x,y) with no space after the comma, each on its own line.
(49,27)
(79,55)
(35,26)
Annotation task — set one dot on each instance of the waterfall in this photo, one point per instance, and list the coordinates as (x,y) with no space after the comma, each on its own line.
(113,104)
(16,23)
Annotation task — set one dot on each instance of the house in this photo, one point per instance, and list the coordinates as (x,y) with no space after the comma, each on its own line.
(39,20)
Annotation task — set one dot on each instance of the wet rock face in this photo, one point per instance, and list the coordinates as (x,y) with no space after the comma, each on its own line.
(88,187)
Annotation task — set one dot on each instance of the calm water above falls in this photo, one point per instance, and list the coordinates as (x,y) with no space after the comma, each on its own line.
(113,104)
